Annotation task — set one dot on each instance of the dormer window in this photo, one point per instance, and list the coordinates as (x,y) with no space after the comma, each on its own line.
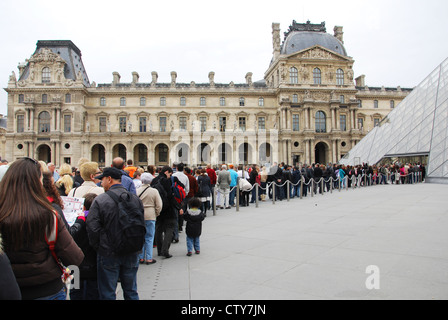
(46,75)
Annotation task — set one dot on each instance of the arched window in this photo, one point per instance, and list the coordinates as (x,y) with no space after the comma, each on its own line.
(317,76)
(46,75)
(321,123)
(340,77)
(293,75)
(44,121)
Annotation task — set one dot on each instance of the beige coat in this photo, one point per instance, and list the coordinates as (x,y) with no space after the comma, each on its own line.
(86,187)
(152,202)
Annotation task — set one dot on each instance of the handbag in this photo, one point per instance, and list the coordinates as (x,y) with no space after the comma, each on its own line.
(66,276)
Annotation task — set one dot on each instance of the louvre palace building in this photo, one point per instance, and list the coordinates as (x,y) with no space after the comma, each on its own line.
(308,108)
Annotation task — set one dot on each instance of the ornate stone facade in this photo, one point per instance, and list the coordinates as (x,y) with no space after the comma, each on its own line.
(308,108)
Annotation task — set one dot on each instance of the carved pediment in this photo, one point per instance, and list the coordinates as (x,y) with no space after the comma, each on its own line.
(46,56)
(318,53)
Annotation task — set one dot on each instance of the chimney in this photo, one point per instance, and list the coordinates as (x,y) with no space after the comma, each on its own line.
(154,78)
(211,78)
(173,78)
(135,77)
(276,39)
(339,34)
(249,78)
(116,78)
(361,81)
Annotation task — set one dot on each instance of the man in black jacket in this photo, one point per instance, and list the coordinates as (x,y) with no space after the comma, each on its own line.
(167,220)
(101,222)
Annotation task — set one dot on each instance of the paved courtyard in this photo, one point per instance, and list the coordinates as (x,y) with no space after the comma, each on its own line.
(381,242)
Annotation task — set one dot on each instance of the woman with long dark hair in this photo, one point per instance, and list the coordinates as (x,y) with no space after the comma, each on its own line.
(26,219)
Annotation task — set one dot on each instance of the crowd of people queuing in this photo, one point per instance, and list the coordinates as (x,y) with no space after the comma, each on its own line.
(31,196)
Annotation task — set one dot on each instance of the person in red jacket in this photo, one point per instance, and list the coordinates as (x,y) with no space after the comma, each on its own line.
(212,175)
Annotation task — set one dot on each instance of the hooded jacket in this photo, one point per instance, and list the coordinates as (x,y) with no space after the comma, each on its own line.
(194,218)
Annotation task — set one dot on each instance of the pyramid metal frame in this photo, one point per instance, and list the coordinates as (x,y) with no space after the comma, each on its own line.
(417,126)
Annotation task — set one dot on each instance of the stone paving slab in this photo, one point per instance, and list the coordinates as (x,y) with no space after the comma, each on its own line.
(315,248)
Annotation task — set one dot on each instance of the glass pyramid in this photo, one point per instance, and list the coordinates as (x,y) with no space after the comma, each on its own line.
(417,126)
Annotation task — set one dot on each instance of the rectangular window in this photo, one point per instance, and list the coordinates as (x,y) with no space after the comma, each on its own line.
(67,123)
(183,123)
(44,98)
(222,101)
(261,123)
(162,101)
(343,122)
(142,124)
(242,123)
(142,101)
(293,75)
(122,121)
(392,104)
(375,104)
(183,101)
(103,102)
(222,124)
(20,123)
(203,121)
(103,124)
(122,101)
(242,102)
(360,123)
(202,101)
(260,102)
(295,98)
(46,75)
(295,122)
(162,124)
(68,98)
(376,122)
(21,98)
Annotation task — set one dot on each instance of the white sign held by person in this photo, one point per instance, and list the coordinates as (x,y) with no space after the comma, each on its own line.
(73,207)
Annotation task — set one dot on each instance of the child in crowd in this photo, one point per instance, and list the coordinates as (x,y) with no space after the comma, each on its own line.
(88,272)
(194,217)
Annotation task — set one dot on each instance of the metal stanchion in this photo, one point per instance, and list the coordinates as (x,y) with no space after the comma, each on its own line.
(312,187)
(301,187)
(256,195)
(273,192)
(238,196)
(288,190)
(214,201)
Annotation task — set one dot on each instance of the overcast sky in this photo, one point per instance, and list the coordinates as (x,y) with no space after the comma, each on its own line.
(394,43)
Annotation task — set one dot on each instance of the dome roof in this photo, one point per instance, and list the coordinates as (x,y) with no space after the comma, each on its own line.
(299,40)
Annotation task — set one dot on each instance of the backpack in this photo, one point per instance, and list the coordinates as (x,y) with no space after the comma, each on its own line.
(178,191)
(129,235)
(162,192)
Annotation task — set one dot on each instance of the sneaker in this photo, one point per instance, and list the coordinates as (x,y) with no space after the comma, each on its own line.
(197,252)
(189,253)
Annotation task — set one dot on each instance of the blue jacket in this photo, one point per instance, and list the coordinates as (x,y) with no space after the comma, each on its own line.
(128,183)
(233,177)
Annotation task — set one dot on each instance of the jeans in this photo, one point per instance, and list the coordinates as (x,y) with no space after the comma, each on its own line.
(88,290)
(60,295)
(149,240)
(110,269)
(232,195)
(193,242)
